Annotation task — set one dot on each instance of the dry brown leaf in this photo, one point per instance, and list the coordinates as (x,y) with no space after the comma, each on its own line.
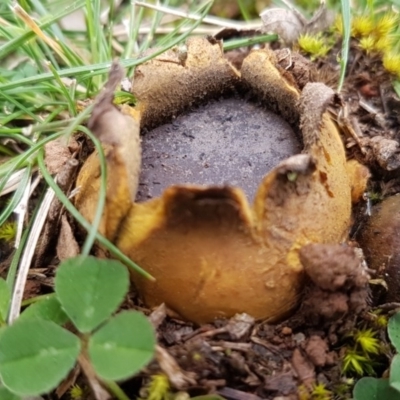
(289,24)
(56,156)
(67,245)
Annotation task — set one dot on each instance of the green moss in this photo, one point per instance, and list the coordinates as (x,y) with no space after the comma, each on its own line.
(8,231)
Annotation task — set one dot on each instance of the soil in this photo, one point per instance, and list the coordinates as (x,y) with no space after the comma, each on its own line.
(240,358)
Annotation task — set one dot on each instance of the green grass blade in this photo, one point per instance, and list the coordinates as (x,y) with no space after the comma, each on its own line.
(65,92)
(18,41)
(103,68)
(102,194)
(346,15)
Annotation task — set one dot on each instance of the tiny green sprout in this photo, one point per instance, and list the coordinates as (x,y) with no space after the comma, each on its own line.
(314,45)
(158,388)
(362,25)
(291,176)
(375,196)
(356,362)
(385,24)
(391,62)
(320,392)
(303,393)
(76,393)
(343,388)
(123,97)
(367,340)
(196,356)
(378,319)
(8,231)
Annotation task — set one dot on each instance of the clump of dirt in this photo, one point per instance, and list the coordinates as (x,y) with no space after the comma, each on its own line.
(338,287)
(380,238)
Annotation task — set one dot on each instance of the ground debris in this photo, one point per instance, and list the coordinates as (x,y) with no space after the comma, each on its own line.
(317,351)
(339,285)
(67,245)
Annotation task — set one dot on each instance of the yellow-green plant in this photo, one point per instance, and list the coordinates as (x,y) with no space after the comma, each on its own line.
(320,392)
(314,45)
(388,388)
(362,25)
(158,388)
(76,392)
(360,356)
(8,231)
(377,35)
(379,319)
(391,62)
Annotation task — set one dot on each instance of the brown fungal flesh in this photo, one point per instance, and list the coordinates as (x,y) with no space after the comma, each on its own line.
(211,252)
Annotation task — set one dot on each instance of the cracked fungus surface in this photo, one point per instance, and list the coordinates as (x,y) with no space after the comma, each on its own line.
(226,142)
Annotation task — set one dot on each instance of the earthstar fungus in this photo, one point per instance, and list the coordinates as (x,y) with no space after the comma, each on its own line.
(211,252)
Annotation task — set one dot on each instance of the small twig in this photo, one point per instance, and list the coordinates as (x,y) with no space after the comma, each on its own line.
(170,367)
(268,346)
(223,345)
(120,30)
(99,392)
